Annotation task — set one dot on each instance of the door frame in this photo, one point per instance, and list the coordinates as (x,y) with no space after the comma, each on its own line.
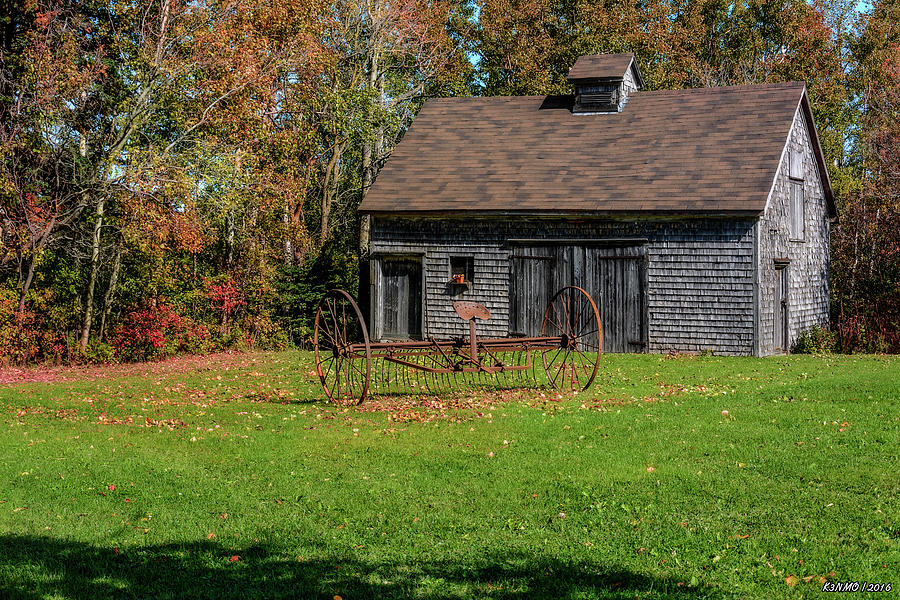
(782,307)
(376,287)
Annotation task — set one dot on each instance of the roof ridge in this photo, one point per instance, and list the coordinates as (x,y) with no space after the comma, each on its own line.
(726,88)
(703,90)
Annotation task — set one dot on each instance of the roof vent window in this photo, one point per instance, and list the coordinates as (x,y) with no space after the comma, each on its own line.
(597,98)
(603,81)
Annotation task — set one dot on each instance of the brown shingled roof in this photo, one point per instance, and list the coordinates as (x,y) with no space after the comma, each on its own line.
(701,151)
(600,66)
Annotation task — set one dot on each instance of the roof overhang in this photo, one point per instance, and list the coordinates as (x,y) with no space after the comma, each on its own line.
(574,214)
(820,156)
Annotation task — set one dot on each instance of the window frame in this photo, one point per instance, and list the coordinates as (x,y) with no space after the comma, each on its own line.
(467,262)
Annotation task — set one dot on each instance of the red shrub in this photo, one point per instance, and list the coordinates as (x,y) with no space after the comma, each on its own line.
(25,336)
(225,298)
(158,332)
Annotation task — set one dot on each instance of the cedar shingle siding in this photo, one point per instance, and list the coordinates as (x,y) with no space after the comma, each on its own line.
(674,213)
(699,273)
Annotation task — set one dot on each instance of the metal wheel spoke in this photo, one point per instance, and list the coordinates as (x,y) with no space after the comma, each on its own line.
(345,375)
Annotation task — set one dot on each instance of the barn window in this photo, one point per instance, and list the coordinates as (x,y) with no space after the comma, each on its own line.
(797,201)
(796,164)
(462,269)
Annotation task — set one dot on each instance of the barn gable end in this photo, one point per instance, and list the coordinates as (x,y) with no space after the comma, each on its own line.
(804,258)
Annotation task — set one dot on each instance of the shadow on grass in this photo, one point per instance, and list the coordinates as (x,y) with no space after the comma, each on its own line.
(38,567)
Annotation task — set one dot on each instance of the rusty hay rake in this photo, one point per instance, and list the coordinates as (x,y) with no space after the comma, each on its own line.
(351,366)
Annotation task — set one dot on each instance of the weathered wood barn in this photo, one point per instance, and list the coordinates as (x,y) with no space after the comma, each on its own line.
(698,219)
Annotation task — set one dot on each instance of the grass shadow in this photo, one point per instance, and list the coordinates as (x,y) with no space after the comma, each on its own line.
(33,567)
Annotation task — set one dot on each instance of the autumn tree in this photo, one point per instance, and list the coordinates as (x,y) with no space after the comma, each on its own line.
(125,98)
(866,241)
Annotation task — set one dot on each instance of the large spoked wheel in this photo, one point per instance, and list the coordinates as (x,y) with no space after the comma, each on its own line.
(343,353)
(572,316)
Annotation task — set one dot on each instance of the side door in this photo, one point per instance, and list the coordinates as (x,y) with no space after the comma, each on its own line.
(399,292)
(780,335)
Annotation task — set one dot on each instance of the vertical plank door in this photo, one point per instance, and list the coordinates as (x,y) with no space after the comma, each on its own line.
(617,280)
(614,276)
(529,288)
(781,309)
(401,298)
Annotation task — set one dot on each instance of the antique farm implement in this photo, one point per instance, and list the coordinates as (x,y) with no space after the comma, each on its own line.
(351,366)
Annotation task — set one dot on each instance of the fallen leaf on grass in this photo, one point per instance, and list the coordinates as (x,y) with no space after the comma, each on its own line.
(791,580)
(234,558)
(741,537)
(20,508)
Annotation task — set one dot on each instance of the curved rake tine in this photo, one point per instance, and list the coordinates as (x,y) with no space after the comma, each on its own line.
(381,376)
(390,380)
(430,382)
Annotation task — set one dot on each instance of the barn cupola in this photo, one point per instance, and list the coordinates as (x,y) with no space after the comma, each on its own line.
(603,82)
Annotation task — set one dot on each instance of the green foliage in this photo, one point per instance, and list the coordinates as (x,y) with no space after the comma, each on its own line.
(301,288)
(816,340)
(95,354)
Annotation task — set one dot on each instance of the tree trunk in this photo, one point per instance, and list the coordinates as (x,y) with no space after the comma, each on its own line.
(329,193)
(288,245)
(36,246)
(371,150)
(110,290)
(92,282)
(27,284)
(229,239)
(368,147)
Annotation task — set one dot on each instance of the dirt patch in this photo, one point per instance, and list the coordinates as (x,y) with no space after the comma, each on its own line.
(176,365)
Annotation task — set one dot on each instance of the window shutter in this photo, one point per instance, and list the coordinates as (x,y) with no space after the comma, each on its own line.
(796,162)
(798,217)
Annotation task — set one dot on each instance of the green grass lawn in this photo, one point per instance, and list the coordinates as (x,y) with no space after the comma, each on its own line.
(233,479)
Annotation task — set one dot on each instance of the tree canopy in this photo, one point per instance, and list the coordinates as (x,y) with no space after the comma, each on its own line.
(180,175)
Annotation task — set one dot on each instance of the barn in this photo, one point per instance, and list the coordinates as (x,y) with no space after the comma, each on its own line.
(698,219)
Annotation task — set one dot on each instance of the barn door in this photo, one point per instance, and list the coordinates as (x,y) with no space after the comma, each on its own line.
(529,288)
(400,310)
(616,278)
